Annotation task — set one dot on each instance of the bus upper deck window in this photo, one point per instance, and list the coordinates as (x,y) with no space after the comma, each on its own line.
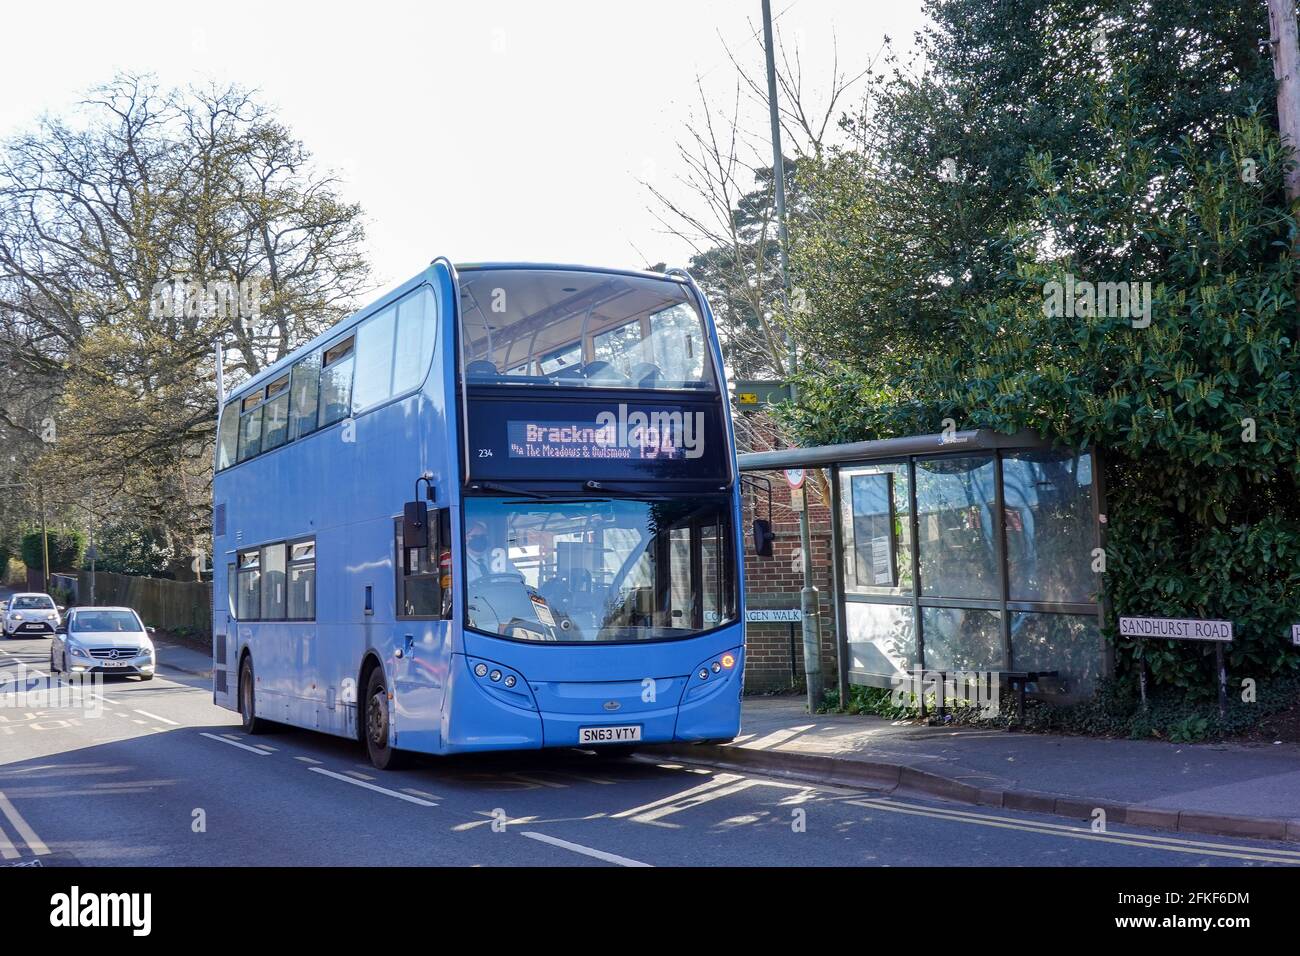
(275,421)
(336,382)
(581,330)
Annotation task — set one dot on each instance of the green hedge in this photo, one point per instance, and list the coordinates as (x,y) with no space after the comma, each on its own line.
(66,549)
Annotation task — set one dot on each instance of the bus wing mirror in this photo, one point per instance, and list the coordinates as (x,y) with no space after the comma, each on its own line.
(415,525)
(763,537)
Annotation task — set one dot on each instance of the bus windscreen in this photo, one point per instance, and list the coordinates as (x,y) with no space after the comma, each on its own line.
(607,569)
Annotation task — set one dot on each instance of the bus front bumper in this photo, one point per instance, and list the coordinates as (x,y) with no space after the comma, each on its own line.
(490,706)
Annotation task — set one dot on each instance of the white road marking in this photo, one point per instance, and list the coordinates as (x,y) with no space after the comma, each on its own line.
(156,717)
(234,743)
(1146,837)
(34,843)
(370,786)
(718,781)
(7,849)
(306,760)
(1262,854)
(584,850)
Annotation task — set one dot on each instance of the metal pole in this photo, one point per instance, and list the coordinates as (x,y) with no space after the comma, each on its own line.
(93,555)
(45,546)
(221,379)
(843,659)
(1223,678)
(778,161)
(809,600)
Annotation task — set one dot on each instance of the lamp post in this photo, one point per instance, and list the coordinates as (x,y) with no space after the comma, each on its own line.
(809,601)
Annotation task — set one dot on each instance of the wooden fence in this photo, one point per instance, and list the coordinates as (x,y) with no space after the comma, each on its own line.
(162,603)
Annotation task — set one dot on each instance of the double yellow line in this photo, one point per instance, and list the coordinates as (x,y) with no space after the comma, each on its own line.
(1146,841)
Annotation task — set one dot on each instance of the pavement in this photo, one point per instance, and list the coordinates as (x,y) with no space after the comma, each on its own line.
(187,657)
(1249,790)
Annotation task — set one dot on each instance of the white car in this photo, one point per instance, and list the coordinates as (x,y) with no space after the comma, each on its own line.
(105,640)
(30,615)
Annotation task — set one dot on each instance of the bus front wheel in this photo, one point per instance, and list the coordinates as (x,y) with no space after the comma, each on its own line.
(247,712)
(378,728)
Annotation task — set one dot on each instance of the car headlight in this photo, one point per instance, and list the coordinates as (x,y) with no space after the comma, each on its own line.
(18,617)
(76,651)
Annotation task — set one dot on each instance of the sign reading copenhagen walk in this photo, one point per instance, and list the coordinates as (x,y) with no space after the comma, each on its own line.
(770,615)
(1176,629)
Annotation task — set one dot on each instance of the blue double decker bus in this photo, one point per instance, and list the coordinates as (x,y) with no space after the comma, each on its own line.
(497,509)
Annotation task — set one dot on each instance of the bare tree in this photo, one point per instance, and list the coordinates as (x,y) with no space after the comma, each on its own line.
(122,233)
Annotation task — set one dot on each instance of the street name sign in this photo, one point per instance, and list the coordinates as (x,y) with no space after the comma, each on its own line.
(772,615)
(1176,629)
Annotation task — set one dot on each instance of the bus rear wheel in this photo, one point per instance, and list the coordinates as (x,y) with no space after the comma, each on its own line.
(247,709)
(378,727)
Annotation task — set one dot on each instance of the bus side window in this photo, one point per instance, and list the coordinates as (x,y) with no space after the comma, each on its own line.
(231,590)
(423,574)
(443,551)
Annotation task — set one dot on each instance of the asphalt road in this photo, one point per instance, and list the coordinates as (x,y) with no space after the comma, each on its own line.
(153,773)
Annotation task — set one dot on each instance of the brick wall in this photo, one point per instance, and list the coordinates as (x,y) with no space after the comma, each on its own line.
(775,582)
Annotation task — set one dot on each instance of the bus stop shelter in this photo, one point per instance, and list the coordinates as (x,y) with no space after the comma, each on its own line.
(969,551)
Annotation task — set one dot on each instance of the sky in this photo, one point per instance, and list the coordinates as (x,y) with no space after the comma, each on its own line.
(488,130)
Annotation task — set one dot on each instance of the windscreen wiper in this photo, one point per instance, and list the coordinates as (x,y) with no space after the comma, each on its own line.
(615,489)
(508,489)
